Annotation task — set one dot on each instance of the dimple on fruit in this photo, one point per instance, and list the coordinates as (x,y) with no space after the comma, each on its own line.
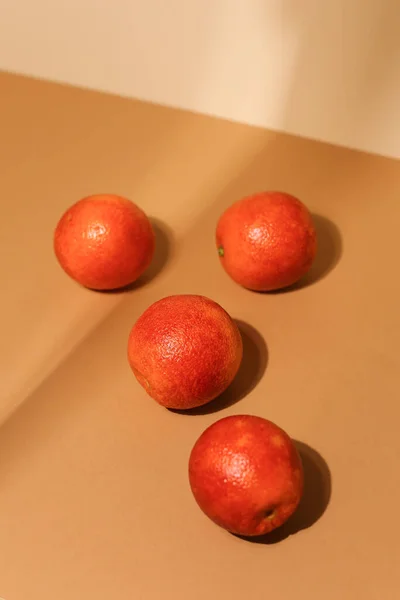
(246,475)
(266,241)
(185,350)
(104,242)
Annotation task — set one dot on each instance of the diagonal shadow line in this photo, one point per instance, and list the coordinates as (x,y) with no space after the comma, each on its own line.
(162,256)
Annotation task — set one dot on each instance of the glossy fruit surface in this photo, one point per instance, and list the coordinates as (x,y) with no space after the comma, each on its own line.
(104,242)
(266,241)
(246,474)
(185,350)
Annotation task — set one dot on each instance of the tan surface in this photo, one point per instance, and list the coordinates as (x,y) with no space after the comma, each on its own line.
(94,498)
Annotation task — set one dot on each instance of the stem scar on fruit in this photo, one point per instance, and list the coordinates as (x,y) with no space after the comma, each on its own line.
(269,514)
(221,251)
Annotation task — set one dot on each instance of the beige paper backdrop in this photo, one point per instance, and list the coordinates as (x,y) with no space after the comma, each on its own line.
(327,70)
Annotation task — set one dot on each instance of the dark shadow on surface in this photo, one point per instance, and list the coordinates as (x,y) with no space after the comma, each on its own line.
(251,371)
(162,254)
(315,501)
(329,250)
(329,253)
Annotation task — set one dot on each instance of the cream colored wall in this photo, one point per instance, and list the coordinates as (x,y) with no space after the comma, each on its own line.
(328,69)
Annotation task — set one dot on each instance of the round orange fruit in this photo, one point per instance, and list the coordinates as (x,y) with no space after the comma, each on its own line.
(266,241)
(185,350)
(246,475)
(104,242)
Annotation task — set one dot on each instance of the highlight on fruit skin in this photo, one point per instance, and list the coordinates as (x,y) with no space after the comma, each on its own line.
(266,241)
(185,350)
(246,475)
(104,242)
